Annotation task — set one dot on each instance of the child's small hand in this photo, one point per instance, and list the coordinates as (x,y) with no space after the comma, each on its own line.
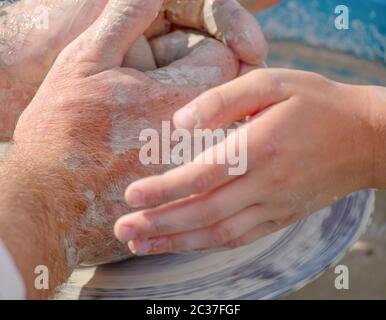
(311,141)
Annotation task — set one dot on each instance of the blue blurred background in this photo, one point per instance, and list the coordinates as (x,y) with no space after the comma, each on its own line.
(312,22)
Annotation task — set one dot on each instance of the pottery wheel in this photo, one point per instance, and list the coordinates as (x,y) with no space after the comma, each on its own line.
(269,268)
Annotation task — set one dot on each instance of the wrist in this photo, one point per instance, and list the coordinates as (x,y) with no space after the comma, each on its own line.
(355,109)
(74,178)
(34,221)
(376,97)
(28,228)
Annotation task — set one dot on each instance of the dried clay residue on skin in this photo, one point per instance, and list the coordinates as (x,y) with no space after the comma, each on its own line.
(174,46)
(217,17)
(16,26)
(125,133)
(95,214)
(71,162)
(71,251)
(205,76)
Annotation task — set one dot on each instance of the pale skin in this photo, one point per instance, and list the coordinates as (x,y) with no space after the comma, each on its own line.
(311,141)
(63,161)
(27,53)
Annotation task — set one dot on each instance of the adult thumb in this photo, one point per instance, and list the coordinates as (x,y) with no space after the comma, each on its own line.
(104,44)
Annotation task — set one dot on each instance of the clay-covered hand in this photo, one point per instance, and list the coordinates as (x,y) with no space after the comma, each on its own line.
(83,125)
(34,33)
(310,141)
(225,20)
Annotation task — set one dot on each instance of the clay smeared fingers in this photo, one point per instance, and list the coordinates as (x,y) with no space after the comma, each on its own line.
(159,27)
(226,20)
(208,64)
(188,214)
(230,22)
(105,43)
(216,236)
(140,56)
(233,101)
(185,13)
(174,46)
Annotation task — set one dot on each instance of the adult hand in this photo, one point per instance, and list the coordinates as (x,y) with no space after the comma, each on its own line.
(83,125)
(225,20)
(311,141)
(34,34)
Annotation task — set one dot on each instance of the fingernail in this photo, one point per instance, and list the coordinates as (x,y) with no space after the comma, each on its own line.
(128,233)
(144,247)
(185,118)
(140,247)
(132,247)
(136,198)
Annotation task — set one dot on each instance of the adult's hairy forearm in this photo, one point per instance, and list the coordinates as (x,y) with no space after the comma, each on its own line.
(33,200)
(377,114)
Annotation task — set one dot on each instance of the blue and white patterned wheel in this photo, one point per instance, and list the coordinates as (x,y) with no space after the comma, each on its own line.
(267,269)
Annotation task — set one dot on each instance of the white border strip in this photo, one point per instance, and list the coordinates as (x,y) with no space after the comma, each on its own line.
(11,283)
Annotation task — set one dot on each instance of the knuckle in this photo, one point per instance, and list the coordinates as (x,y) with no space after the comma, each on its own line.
(222,234)
(237,243)
(210,108)
(262,76)
(271,81)
(169,244)
(163,196)
(290,219)
(111,77)
(208,216)
(202,181)
(266,228)
(310,77)
(270,151)
(318,77)
(159,195)
(156,226)
(64,68)
(217,99)
(274,225)
(133,9)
